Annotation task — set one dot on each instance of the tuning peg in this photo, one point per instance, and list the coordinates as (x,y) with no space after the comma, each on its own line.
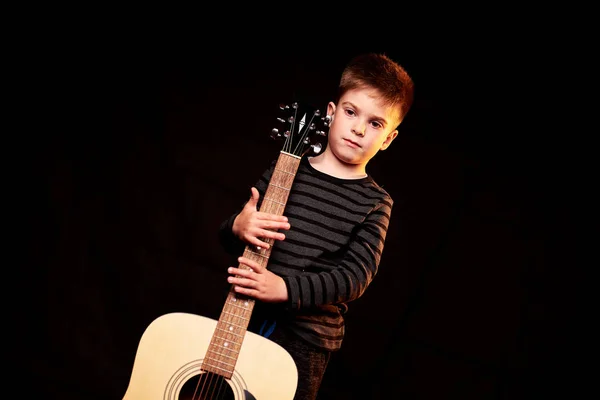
(281,120)
(275,133)
(322,133)
(327,120)
(316,147)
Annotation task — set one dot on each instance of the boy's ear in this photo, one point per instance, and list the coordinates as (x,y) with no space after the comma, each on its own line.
(331,109)
(388,140)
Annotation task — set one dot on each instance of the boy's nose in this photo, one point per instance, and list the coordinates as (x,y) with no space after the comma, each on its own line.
(359,129)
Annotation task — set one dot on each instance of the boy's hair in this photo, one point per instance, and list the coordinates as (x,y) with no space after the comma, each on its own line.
(379,72)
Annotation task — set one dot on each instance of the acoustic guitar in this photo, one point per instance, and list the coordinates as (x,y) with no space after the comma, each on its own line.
(192,357)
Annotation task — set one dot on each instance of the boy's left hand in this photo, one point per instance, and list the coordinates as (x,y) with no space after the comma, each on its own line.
(257,282)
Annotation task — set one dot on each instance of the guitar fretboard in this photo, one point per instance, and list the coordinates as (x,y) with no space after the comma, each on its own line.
(226,342)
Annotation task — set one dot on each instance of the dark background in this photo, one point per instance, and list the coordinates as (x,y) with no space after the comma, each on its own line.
(141,147)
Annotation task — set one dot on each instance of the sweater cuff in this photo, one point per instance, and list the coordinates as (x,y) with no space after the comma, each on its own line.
(293,302)
(231,243)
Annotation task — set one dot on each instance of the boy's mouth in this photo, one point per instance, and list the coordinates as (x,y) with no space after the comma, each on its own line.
(353,144)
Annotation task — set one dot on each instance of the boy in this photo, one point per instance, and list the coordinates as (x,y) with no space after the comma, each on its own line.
(335,223)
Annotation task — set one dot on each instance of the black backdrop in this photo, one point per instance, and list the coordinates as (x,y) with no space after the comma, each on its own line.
(147,147)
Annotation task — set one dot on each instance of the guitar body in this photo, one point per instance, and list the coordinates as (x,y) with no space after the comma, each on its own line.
(170,354)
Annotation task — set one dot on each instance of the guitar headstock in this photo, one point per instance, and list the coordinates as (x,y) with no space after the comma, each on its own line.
(304,131)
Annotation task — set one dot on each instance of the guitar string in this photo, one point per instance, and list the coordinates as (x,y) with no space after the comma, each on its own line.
(211,382)
(211,390)
(289,139)
(305,134)
(215,384)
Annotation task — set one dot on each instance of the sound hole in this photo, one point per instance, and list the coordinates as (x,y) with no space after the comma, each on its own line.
(206,386)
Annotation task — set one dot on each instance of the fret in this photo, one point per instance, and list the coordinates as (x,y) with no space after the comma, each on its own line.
(218,347)
(232,314)
(241,325)
(229,322)
(223,358)
(232,304)
(218,358)
(235,310)
(251,249)
(279,187)
(248,302)
(217,355)
(260,255)
(221,362)
(284,171)
(216,367)
(222,355)
(233,297)
(274,201)
(280,180)
(215,349)
(230,332)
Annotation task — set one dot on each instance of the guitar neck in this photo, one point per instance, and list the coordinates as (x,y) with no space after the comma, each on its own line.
(226,342)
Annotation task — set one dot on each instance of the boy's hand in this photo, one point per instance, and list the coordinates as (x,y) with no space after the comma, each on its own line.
(257,282)
(251,225)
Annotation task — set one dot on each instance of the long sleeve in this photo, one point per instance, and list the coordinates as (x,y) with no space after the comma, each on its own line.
(347,279)
(231,243)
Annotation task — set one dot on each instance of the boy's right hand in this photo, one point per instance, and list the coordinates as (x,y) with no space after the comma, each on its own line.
(251,225)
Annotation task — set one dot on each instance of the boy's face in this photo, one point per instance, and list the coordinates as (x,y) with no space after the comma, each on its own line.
(361,126)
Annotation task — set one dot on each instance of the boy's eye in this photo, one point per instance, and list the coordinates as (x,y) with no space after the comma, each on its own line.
(374,124)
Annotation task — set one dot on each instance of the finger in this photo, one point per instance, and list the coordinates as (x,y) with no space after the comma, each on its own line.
(271,217)
(245,291)
(275,225)
(259,243)
(245,273)
(273,235)
(250,263)
(253,196)
(242,282)
(236,280)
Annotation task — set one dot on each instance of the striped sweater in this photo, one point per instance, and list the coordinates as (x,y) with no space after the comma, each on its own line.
(331,252)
